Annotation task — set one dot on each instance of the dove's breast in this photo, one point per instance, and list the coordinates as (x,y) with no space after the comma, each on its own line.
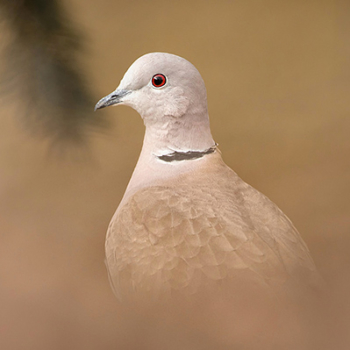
(203,230)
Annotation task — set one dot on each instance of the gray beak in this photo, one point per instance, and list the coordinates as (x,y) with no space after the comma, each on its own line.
(112,99)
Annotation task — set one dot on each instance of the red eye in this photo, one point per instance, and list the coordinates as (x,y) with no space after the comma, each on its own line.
(158,80)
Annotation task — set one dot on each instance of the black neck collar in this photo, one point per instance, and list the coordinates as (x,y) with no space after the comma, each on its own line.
(189,155)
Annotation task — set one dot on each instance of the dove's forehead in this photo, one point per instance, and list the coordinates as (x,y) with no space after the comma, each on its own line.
(144,68)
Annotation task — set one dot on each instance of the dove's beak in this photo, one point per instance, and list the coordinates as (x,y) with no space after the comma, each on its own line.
(112,99)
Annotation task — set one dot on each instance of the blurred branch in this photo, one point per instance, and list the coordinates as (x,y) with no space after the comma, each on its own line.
(41,67)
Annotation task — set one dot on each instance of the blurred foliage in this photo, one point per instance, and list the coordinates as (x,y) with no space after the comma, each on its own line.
(41,70)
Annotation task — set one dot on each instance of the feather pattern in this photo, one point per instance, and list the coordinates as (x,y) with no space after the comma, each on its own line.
(170,237)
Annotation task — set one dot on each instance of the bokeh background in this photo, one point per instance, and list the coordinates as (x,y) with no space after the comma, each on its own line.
(277,75)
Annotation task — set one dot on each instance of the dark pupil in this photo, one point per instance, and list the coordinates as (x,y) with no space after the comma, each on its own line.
(158,80)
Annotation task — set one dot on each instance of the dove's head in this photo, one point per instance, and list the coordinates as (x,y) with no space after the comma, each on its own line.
(160,84)
(169,94)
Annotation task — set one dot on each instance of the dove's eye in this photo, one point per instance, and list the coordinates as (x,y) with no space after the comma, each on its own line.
(158,80)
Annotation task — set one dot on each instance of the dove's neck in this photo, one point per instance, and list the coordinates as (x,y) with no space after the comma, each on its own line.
(171,135)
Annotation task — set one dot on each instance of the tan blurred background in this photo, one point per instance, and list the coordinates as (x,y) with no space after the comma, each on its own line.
(277,75)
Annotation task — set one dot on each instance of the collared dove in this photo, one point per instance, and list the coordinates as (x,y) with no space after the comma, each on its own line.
(187,220)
